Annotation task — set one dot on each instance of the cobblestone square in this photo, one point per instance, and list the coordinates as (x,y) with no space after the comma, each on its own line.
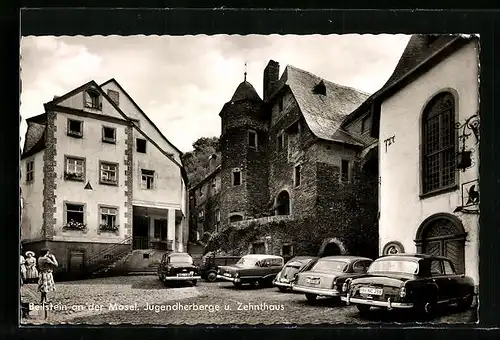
(145,300)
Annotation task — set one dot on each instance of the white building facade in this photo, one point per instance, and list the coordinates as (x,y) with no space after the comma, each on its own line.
(429,154)
(98,177)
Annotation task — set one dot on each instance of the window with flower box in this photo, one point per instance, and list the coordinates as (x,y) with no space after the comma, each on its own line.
(109,219)
(74,168)
(74,214)
(109,173)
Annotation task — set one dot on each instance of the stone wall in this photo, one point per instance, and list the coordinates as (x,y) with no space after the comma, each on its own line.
(49,177)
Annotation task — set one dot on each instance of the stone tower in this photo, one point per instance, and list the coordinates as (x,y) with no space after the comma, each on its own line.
(244,163)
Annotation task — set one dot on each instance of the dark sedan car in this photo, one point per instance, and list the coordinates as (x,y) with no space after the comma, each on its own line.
(176,267)
(256,269)
(327,275)
(406,281)
(287,275)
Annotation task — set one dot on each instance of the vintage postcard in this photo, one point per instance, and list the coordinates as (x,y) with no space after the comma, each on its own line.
(258,179)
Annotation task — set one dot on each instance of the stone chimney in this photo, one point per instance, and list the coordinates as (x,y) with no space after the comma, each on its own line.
(212,163)
(271,77)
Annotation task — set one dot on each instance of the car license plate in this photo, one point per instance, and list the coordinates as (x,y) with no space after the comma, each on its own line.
(312,281)
(371,291)
(184,274)
(227,274)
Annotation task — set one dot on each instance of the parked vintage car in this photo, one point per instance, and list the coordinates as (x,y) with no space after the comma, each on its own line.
(175,267)
(288,274)
(420,282)
(256,269)
(211,262)
(327,275)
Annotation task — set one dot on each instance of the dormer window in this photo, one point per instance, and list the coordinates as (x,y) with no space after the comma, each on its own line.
(320,88)
(93,99)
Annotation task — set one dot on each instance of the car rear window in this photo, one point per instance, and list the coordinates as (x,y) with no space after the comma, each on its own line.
(330,266)
(394,266)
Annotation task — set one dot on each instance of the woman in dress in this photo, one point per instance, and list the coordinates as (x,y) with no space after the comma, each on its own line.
(23,269)
(46,264)
(31,271)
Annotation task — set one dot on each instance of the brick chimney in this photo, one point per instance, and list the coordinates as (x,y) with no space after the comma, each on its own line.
(271,77)
(212,163)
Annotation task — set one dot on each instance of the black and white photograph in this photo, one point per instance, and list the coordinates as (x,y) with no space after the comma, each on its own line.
(249,179)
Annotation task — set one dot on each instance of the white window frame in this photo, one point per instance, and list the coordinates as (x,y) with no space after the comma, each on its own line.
(110,212)
(66,221)
(72,166)
(145,175)
(105,169)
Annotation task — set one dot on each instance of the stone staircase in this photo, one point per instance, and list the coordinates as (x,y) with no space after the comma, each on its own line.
(136,262)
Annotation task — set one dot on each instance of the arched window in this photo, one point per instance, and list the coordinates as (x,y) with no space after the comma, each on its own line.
(283,203)
(438,143)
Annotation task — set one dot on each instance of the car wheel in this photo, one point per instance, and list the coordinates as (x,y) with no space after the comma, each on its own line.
(283,289)
(237,285)
(212,276)
(194,282)
(311,297)
(428,309)
(363,309)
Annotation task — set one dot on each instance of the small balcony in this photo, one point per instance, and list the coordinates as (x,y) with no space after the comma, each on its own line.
(262,220)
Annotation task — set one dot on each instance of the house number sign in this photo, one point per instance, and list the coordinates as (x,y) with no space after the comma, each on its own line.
(388,142)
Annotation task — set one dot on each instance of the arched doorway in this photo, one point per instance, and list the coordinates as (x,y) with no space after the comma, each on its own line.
(443,235)
(331,247)
(283,203)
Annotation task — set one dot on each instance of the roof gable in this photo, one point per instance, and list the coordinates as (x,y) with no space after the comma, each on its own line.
(80,99)
(323,104)
(112,80)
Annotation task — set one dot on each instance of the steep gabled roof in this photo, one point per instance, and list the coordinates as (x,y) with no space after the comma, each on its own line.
(323,113)
(418,52)
(93,84)
(245,91)
(140,110)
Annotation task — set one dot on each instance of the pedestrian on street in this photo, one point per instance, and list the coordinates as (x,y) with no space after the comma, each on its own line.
(31,271)
(46,263)
(23,269)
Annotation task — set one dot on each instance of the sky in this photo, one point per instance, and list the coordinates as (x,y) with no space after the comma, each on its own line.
(182,82)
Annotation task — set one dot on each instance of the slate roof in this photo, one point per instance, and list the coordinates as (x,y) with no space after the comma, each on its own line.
(323,113)
(245,91)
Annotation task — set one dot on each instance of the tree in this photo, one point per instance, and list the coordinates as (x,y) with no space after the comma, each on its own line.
(196,161)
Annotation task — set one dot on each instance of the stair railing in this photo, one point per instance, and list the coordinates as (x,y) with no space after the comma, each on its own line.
(108,255)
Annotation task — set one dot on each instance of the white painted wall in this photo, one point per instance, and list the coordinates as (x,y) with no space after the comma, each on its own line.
(94,150)
(32,193)
(401,209)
